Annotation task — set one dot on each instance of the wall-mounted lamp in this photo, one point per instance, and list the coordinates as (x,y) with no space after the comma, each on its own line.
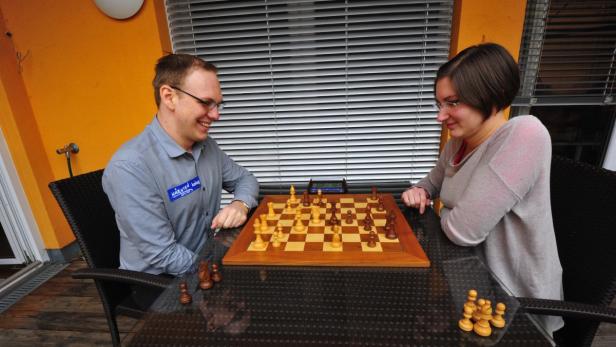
(119,9)
(67,150)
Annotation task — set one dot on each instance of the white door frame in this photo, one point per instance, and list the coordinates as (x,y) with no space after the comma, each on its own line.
(16,215)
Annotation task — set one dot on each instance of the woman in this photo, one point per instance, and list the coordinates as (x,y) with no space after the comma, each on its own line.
(493,176)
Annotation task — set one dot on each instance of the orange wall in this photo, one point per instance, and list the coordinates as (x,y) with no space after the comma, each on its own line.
(82,77)
(477,21)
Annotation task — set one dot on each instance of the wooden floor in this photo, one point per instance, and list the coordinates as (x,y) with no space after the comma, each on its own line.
(61,312)
(67,312)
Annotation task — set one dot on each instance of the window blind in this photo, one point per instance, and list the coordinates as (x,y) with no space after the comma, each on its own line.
(568,53)
(321,89)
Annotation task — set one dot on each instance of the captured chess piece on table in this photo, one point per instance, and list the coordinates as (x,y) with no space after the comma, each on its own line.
(185,298)
(205,280)
(216,276)
(479,311)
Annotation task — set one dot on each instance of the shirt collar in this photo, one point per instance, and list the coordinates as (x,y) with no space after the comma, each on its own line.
(170,147)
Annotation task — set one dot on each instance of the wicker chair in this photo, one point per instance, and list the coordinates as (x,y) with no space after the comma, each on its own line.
(583,203)
(92,220)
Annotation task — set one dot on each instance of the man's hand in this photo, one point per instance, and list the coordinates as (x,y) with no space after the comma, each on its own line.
(233,215)
(416,197)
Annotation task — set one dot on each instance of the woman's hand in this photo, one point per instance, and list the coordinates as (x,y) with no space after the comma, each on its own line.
(416,197)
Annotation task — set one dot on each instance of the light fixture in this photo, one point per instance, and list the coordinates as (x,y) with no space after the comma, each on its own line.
(119,9)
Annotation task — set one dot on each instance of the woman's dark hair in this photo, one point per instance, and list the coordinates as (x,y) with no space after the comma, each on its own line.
(484,76)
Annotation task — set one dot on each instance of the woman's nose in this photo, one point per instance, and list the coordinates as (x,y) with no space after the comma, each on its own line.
(442,115)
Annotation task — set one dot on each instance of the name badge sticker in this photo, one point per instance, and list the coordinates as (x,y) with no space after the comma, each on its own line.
(184,189)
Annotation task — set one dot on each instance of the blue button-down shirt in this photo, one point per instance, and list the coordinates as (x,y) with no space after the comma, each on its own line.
(165,198)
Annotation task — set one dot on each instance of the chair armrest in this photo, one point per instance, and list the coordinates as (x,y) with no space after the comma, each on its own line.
(568,309)
(124,276)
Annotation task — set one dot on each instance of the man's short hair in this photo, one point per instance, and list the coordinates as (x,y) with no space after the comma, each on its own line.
(484,76)
(173,68)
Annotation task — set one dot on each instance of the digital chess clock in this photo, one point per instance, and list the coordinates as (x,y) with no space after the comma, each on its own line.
(328,186)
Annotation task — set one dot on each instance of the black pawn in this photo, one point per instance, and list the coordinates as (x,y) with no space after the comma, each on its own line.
(216,276)
(306,200)
(185,298)
(349,217)
(390,232)
(372,239)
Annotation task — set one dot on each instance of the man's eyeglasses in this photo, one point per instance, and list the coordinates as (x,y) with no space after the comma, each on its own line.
(209,103)
(447,104)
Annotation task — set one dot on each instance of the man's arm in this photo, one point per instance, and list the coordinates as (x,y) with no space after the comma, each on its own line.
(142,219)
(245,189)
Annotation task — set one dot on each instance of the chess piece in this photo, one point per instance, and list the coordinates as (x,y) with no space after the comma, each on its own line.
(292,199)
(288,209)
(465,323)
(374,194)
(279,234)
(333,220)
(185,298)
(349,217)
(264,225)
(372,239)
(299,226)
(275,242)
(482,326)
(477,313)
(367,225)
(257,224)
(498,321)
(258,243)
(391,232)
(470,300)
(306,199)
(216,276)
(381,204)
(316,214)
(205,281)
(368,214)
(270,209)
(336,243)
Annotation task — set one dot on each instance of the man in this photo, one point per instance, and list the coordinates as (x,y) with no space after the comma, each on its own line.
(165,184)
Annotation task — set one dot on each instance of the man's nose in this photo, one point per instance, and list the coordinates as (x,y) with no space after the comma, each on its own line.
(214,114)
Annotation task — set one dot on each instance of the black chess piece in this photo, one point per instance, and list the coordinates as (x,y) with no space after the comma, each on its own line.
(216,276)
(372,239)
(185,298)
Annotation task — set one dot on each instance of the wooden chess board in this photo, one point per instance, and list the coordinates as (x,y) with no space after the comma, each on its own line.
(313,245)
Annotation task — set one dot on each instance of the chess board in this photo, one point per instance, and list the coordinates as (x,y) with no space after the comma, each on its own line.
(313,245)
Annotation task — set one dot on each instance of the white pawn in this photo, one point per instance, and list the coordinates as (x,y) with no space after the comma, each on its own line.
(299,226)
(264,225)
(498,321)
(270,209)
(316,214)
(336,237)
(275,242)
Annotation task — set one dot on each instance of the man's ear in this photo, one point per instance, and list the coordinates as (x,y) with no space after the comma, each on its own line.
(168,97)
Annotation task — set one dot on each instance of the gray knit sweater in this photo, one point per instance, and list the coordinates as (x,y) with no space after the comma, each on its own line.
(497,199)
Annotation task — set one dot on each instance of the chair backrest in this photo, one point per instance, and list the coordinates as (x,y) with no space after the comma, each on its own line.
(91,217)
(583,208)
